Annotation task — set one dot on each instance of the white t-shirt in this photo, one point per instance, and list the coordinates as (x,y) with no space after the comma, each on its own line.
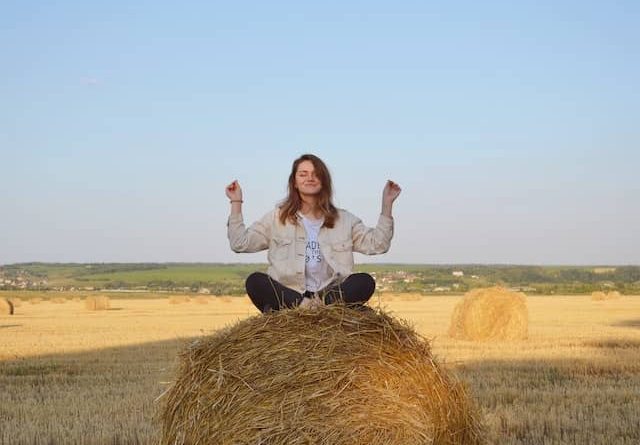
(316,269)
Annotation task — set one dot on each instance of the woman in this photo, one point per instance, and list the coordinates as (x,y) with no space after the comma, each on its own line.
(310,242)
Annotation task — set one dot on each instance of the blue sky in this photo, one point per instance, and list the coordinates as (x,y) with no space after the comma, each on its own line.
(511,126)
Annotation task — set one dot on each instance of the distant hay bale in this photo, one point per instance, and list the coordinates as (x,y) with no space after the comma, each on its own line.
(97,303)
(328,376)
(201,299)
(17,302)
(225,299)
(6,306)
(493,313)
(603,296)
(178,299)
(59,300)
(36,300)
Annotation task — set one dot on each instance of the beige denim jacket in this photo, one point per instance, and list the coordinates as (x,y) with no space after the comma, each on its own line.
(287,244)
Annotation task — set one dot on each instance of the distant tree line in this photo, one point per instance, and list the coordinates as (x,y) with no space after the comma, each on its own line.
(228,279)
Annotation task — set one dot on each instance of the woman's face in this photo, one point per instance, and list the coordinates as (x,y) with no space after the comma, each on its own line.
(307,183)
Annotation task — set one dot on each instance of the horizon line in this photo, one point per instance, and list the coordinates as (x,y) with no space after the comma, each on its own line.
(394,263)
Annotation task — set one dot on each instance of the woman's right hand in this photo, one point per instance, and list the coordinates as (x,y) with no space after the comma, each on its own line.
(233,191)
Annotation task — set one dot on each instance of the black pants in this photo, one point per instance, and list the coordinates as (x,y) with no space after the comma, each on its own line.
(268,294)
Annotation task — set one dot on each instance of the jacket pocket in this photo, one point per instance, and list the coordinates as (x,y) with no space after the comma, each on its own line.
(342,253)
(280,248)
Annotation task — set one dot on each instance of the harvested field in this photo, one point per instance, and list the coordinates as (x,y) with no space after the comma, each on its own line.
(574,380)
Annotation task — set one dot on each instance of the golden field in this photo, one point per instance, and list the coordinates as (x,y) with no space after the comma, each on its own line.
(71,375)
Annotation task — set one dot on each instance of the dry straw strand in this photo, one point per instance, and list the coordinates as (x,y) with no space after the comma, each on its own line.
(493,313)
(333,375)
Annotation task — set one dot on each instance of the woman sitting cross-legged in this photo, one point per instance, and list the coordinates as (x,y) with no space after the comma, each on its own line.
(310,242)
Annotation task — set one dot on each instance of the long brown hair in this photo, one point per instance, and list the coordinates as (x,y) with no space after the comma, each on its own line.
(293,203)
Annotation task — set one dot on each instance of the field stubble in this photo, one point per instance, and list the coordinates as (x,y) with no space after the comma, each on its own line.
(70,375)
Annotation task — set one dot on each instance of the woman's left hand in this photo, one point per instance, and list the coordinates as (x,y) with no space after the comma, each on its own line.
(390,192)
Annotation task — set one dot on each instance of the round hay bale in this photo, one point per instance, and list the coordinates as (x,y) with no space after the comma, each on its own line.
(17,302)
(59,300)
(201,299)
(178,299)
(328,376)
(97,303)
(493,313)
(613,295)
(602,296)
(6,306)
(36,300)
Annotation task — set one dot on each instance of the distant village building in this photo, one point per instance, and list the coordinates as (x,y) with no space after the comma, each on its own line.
(458,273)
